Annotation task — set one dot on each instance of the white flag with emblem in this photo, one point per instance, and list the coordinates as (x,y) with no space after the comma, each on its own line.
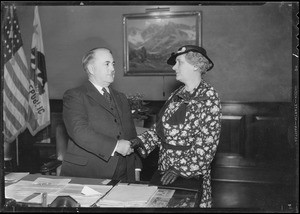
(39,109)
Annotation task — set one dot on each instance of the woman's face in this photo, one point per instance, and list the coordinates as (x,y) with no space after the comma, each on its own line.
(183,69)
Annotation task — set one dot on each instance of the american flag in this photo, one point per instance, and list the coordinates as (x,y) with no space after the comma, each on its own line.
(39,109)
(16,76)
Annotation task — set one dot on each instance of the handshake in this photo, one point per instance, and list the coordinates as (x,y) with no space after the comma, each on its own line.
(126,147)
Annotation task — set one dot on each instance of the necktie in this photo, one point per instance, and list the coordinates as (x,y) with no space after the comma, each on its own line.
(106,95)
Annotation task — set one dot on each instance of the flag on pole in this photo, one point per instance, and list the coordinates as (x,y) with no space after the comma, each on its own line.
(16,85)
(39,109)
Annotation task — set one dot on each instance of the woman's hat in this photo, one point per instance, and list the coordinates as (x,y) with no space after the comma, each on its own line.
(187,48)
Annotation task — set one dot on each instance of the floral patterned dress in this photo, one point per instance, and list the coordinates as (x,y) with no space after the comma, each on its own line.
(198,132)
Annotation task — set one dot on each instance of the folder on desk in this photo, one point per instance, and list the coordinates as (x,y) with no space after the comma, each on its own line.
(15,176)
(179,183)
(123,195)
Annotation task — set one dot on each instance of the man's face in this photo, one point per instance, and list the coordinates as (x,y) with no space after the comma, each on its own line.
(102,68)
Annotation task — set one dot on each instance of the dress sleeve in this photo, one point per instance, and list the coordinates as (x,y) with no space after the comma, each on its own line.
(150,140)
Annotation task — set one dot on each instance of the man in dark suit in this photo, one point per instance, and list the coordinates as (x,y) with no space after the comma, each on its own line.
(98,119)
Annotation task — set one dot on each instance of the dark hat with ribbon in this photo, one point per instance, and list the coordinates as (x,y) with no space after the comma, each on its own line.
(187,48)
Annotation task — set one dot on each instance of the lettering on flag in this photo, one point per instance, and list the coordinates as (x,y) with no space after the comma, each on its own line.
(16,75)
(39,109)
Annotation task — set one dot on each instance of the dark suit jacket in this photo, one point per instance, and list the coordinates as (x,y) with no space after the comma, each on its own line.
(94,130)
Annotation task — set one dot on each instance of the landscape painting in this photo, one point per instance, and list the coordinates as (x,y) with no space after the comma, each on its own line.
(150,39)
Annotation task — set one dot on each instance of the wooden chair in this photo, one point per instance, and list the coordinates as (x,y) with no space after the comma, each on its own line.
(8,157)
(54,167)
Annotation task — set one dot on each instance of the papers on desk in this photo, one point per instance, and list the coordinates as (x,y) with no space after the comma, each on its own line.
(85,195)
(49,181)
(124,195)
(22,189)
(161,198)
(89,191)
(30,191)
(15,176)
(90,194)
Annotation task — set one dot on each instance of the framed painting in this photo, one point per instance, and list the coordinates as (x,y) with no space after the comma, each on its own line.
(150,38)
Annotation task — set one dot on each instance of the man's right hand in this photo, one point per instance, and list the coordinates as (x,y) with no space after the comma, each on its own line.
(124,148)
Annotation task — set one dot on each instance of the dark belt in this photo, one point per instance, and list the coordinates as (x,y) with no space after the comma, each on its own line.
(169,146)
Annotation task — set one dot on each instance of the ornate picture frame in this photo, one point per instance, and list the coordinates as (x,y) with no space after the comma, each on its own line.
(150,38)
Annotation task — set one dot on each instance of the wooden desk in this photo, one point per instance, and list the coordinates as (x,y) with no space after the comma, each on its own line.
(180,199)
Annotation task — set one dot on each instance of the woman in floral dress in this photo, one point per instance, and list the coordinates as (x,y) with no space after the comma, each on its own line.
(189,124)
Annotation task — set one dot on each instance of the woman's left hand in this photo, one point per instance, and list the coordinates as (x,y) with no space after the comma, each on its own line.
(170,176)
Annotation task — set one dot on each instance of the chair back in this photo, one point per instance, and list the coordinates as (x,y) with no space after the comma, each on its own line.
(8,157)
(7,151)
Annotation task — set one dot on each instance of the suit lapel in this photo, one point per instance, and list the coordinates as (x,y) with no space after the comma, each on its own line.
(93,93)
(116,98)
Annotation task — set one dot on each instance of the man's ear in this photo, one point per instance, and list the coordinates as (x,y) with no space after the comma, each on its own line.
(91,68)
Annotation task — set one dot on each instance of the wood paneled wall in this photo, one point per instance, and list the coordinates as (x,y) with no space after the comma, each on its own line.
(257,131)
(251,131)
